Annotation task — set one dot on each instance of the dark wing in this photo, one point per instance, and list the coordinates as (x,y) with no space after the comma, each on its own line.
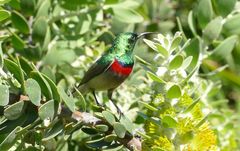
(95,70)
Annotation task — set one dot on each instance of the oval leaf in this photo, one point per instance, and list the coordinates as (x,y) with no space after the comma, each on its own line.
(213,29)
(232,25)
(204,13)
(109,117)
(225,48)
(187,62)
(20,22)
(169,121)
(4,15)
(14,111)
(119,129)
(48,110)
(174,92)
(224,7)
(176,62)
(154,77)
(33,90)
(69,101)
(4,95)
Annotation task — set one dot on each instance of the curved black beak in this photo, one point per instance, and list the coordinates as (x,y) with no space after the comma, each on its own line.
(145,33)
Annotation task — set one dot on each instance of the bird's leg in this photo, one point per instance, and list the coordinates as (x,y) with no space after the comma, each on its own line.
(113,101)
(96,100)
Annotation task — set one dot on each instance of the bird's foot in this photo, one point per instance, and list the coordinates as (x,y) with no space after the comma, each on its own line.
(119,112)
(100,107)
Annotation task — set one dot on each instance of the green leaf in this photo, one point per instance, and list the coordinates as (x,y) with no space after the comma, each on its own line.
(43,9)
(40,28)
(69,101)
(85,24)
(175,42)
(1,56)
(127,15)
(14,69)
(191,106)
(224,7)
(113,147)
(28,7)
(48,110)
(150,44)
(154,77)
(45,87)
(102,128)
(191,23)
(127,123)
(10,140)
(186,62)
(33,91)
(110,138)
(4,14)
(4,95)
(150,107)
(174,92)
(55,94)
(17,42)
(193,49)
(162,50)
(59,56)
(25,65)
(225,48)
(213,29)
(119,129)
(169,121)
(14,111)
(176,62)
(204,12)
(81,103)
(54,131)
(20,22)
(98,143)
(232,25)
(109,117)
(90,130)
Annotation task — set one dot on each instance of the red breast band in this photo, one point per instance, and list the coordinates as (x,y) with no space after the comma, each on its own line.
(120,69)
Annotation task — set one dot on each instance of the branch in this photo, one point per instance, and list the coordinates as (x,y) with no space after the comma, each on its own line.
(129,141)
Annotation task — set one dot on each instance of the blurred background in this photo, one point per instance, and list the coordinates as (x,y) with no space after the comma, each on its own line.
(64,37)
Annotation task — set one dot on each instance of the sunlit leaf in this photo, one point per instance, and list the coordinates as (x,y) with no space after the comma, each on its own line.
(34,91)
(4,95)
(119,129)
(176,62)
(174,92)
(4,14)
(14,111)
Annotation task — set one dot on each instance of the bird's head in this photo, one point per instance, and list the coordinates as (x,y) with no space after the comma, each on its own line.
(125,42)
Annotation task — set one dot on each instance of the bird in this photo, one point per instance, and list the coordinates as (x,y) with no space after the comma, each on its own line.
(112,68)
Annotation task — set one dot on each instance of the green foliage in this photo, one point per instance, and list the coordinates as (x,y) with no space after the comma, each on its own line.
(182,95)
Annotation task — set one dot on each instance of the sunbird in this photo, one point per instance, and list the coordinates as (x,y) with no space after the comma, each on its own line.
(112,68)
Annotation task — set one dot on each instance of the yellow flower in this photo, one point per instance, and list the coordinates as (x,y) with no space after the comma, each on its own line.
(185,125)
(204,140)
(196,112)
(185,101)
(162,143)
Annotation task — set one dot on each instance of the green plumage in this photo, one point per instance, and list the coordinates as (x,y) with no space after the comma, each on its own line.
(121,50)
(112,68)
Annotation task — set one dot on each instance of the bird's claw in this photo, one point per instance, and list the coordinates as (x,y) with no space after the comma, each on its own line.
(119,112)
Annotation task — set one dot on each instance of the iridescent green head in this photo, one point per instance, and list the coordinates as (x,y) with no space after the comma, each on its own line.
(125,42)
